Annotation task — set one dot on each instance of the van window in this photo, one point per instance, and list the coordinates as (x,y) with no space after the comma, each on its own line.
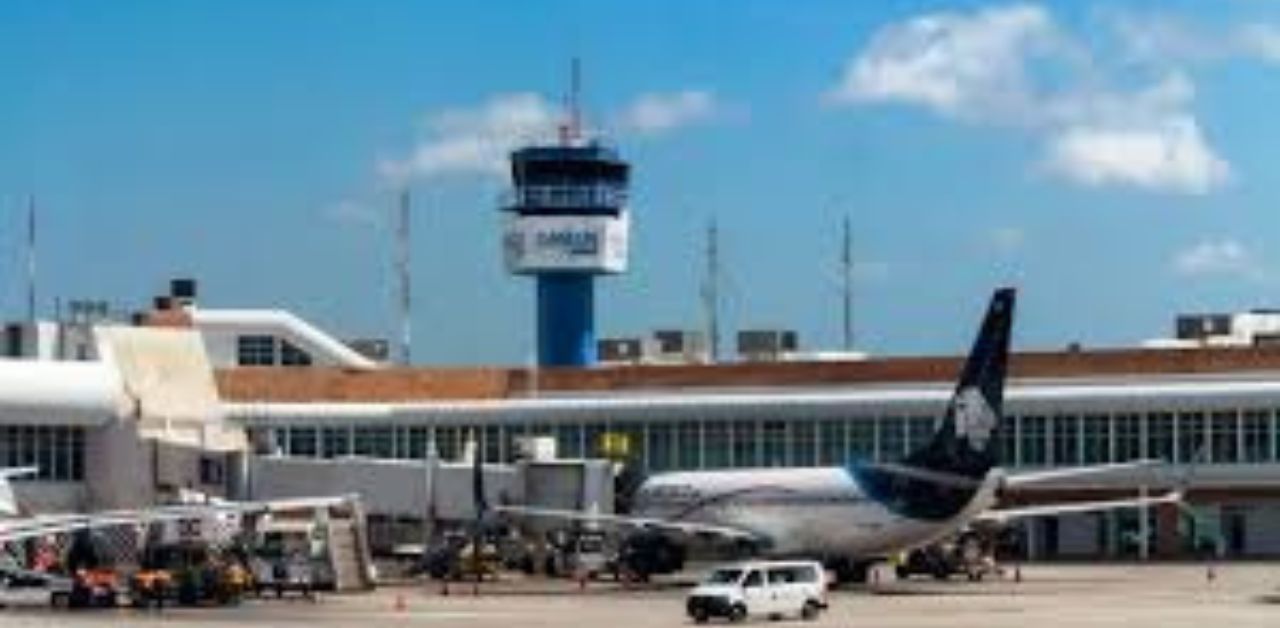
(804,574)
(782,575)
(724,576)
(753,580)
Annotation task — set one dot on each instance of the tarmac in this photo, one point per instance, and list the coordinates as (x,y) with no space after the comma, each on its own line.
(1046,596)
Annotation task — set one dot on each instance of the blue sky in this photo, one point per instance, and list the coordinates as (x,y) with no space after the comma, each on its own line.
(1112,159)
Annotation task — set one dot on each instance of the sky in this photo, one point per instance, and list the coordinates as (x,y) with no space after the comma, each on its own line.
(1114,160)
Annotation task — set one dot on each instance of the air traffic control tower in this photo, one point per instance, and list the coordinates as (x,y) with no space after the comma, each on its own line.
(566,222)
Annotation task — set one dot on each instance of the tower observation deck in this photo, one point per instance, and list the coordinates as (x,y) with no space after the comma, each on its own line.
(566,222)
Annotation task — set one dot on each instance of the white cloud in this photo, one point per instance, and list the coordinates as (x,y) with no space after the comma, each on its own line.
(477,140)
(1169,155)
(1221,257)
(1014,67)
(1166,39)
(956,64)
(655,113)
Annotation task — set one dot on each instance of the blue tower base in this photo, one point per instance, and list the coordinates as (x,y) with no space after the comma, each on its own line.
(566,319)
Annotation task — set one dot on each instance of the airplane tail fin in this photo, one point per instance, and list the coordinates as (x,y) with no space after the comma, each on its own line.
(965,443)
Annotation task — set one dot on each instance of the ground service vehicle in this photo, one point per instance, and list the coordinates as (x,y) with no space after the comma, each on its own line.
(765,589)
(94,588)
(150,586)
(33,588)
(282,574)
(966,555)
(190,573)
(577,554)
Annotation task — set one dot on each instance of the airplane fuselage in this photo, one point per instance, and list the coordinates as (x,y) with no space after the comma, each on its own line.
(828,512)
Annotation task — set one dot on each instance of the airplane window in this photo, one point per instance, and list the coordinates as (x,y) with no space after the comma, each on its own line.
(753,580)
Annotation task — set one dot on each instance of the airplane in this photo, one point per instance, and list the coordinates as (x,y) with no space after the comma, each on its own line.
(854,515)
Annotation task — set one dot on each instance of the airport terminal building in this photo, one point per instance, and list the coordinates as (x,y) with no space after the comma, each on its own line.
(186,395)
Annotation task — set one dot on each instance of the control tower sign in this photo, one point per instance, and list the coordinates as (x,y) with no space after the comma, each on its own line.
(594,244)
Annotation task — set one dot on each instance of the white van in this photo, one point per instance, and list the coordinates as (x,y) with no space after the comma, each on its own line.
(767,589)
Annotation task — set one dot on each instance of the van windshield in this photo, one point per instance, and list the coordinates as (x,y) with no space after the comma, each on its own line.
(724,576)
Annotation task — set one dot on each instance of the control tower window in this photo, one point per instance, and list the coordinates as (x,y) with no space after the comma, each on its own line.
(256,350)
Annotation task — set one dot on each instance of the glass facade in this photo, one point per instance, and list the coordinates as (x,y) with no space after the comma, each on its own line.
(892,435)
(1066,441)
(1221,436)
(1128,437)
(1032,441)
(57,450)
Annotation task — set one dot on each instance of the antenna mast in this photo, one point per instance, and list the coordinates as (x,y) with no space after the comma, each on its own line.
(31,259)
(571,129)
(846,276)
(711,292)
(402,272)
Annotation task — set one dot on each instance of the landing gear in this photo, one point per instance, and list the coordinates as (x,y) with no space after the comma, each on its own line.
(849,571)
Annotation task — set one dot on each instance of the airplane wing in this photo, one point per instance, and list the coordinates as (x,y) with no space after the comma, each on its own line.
(1025,478)
(688,528)
(1004,515)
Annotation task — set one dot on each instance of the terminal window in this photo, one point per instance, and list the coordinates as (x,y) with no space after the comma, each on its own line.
(256,350)
(57,451)
(293,356)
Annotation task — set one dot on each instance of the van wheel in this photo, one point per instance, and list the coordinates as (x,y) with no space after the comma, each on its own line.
(810,610)
(737,613)
(700,616)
